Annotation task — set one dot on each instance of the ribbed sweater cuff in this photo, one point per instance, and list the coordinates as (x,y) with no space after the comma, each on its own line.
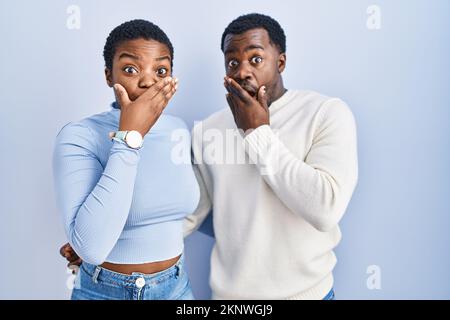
(264,150)
(259,140)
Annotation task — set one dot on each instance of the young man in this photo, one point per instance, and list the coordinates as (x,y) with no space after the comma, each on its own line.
(275,215)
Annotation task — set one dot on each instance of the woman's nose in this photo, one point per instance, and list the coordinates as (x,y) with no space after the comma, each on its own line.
(147,80)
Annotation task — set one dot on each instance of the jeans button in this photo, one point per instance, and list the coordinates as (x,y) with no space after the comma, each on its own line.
(140,282)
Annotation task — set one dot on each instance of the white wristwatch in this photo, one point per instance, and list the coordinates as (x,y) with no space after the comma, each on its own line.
(133,138)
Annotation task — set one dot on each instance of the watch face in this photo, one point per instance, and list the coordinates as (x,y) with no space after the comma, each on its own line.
(134,139)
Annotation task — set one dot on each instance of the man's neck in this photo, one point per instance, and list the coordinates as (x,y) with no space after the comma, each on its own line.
(279,91)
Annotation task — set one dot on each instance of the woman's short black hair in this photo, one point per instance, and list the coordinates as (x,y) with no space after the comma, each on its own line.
(253,21)
(131,30)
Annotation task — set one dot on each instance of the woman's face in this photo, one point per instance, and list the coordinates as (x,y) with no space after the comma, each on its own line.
(138,64)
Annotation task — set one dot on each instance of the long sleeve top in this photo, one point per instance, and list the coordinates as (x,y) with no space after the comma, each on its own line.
(119,204)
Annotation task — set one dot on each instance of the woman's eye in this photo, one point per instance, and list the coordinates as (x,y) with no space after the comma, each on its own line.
(130,70)
(161,71)
(257,59)
(232,64)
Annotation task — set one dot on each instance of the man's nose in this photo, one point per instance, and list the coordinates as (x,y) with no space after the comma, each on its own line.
(243,72)
(147,80)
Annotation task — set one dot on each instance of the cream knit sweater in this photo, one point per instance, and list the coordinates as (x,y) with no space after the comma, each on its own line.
(277,196)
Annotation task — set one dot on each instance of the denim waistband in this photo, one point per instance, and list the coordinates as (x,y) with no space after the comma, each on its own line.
(100,274)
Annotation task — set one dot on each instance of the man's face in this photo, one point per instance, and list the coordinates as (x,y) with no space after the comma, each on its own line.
(138,64)
(252,60)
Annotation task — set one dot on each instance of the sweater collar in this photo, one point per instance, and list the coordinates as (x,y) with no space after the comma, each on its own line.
(281,101)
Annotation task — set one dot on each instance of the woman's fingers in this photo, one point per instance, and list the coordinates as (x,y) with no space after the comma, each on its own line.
(153,91)
(121,95)
(161,100)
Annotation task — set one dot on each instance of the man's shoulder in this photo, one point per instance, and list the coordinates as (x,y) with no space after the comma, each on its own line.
(328,109)
(319,102)
(308,97)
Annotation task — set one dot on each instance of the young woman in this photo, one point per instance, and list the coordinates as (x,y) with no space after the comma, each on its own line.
(121,196)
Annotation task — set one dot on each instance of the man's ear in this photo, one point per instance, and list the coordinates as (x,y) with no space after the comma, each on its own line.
(108,76)
(281,62)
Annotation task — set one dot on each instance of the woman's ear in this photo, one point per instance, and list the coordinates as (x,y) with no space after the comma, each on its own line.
(281,62)
(108,76)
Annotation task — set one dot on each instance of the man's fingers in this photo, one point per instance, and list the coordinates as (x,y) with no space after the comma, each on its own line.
(231,89)
(121,95)
(231,92)
(237,90)
(65,250)
(62,250)
(236,101)
(73,258)
(74,266)
(75,263)
(231,104)
(262,97)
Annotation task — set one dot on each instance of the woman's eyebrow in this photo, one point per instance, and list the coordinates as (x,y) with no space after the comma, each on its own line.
(136,57)
(163,58)
(128,55)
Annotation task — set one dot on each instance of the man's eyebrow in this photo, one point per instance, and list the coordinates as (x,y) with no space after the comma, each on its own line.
(250,47)
(254,46)
(128,55)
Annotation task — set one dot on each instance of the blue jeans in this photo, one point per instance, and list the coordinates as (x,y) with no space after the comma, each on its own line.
(97,283)
(330,295)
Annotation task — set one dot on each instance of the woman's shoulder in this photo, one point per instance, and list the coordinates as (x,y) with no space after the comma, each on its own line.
(87,131)
(76,135)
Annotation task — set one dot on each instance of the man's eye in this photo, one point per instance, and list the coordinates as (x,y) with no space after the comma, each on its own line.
(161,71)
(232,64)
(130,70)
(257,59)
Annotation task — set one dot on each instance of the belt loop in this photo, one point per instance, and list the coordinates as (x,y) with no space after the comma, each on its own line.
(96,273)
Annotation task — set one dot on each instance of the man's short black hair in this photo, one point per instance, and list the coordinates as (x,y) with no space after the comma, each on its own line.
(253,21)
(131,30)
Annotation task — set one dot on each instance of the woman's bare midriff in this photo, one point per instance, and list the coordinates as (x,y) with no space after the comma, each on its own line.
(147,268)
